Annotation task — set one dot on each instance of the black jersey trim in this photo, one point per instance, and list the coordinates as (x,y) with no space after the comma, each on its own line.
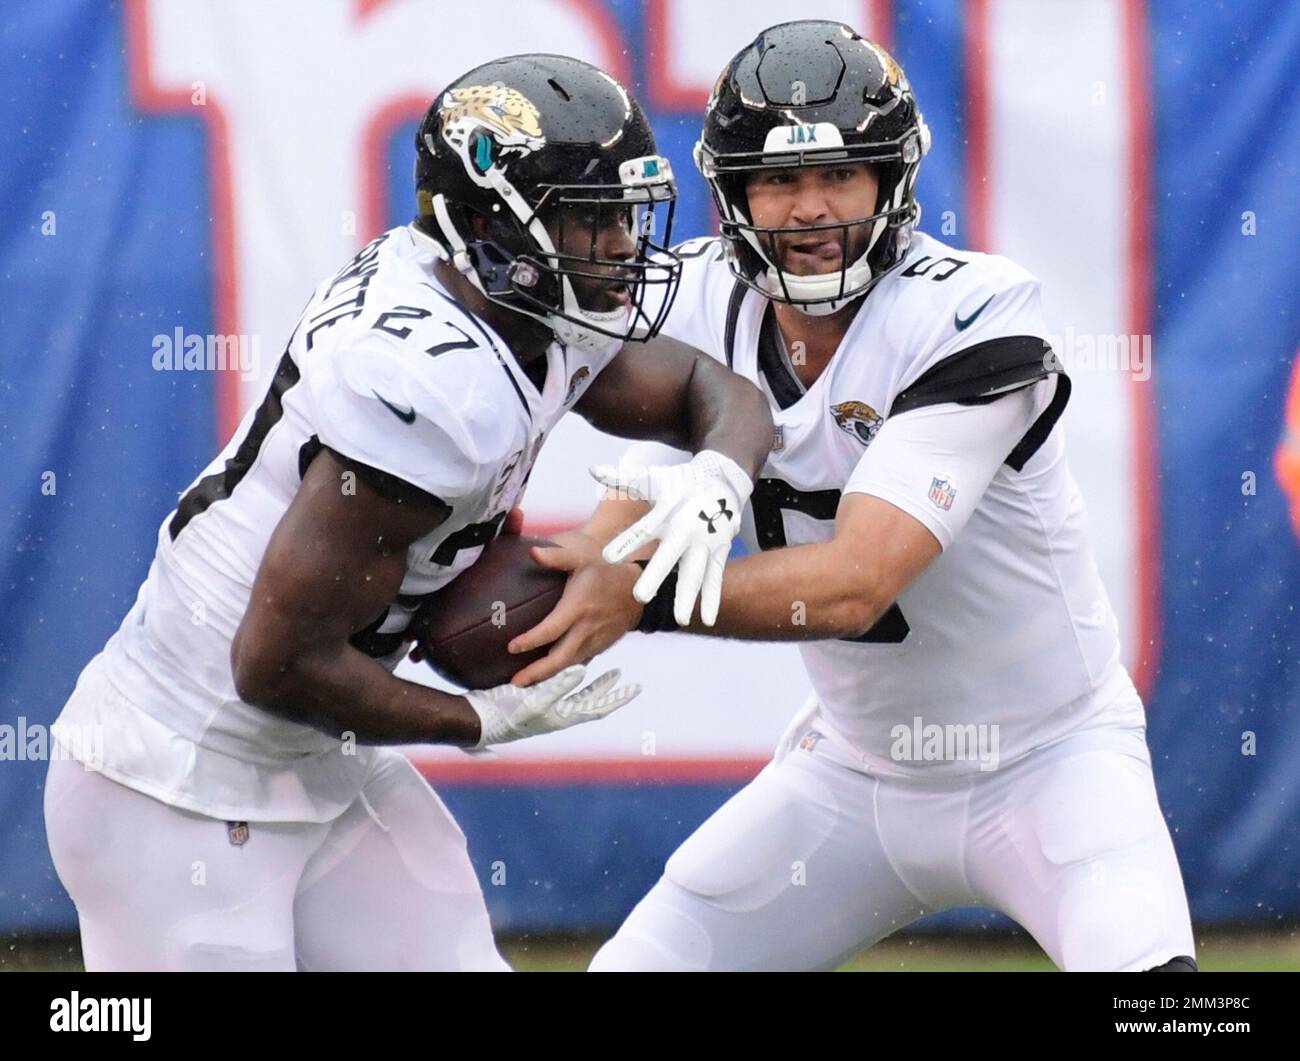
(733,316)
(1042,427)
(219,485)
(980,372)
(387,485)
(785,387)
(984,372)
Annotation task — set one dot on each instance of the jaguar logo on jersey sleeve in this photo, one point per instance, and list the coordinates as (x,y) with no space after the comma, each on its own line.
(858,419)
(488,123)
(576,381)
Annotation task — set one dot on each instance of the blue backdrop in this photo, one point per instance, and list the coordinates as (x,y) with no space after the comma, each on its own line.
(77,310)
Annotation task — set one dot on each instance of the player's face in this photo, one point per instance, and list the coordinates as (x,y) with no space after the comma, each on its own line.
(604,232)
(814,195)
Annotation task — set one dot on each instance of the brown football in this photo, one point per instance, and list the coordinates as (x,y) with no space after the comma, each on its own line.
(464,628)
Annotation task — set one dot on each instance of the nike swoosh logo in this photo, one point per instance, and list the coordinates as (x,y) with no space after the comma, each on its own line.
(407,416)
(962,325)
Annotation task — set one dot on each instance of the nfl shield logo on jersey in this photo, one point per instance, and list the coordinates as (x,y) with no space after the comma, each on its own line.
(810,740)
(942,492)
(237,833)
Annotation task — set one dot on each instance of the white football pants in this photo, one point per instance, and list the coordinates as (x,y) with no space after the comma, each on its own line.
(814,860)
(386,885)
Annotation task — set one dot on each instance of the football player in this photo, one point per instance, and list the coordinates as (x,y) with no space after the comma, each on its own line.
(972,738)
(245,814)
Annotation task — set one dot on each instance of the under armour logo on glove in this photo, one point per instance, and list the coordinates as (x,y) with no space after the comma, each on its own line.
(723,510)
(698,554)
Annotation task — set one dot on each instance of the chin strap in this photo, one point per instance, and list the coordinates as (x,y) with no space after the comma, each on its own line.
(819,291)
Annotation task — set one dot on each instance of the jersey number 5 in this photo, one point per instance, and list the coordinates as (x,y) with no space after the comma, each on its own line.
(771,497)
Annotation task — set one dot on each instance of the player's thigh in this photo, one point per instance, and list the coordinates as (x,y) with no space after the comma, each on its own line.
(157,887)
(788,874)
(1073,845)
(392,886)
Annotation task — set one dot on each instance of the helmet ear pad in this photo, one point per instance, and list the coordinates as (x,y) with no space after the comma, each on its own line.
(495,242)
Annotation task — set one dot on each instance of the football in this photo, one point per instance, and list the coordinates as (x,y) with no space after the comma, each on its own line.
(463,629)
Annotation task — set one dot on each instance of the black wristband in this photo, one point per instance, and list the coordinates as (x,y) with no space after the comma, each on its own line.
(657,616)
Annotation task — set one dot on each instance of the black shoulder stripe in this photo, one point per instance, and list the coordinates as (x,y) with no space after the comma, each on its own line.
(1042,427)
(983,373)
(733,316)
(785,388)
(387,485)
(218,486)
(980,372)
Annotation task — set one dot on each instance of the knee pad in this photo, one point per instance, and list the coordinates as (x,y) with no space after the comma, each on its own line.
(1181,964)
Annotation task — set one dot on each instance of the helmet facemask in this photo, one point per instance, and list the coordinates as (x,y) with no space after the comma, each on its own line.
(753,249)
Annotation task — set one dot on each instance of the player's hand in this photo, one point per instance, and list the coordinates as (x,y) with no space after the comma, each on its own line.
(696,513)
(508,713)
(514,522)
(573,543)
(595,610)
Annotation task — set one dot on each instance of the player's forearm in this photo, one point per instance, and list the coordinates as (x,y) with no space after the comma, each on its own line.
(729,415)
(341,691)
(801,593)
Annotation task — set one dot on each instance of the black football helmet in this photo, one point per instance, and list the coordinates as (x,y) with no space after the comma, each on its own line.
(813,93)
(519,138)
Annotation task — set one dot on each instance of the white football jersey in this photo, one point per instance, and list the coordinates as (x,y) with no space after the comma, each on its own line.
(1011,625)
(386,369)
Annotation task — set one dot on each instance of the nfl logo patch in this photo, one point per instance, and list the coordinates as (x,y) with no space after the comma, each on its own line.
(810,739)
(942,492)
(238,833)
(778,438)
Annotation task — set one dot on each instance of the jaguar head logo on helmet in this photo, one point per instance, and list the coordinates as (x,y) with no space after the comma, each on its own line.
(802,95)
(535,175)
(489,123)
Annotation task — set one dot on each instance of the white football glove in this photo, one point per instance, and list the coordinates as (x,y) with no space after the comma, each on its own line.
(696,513)
(511,712)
